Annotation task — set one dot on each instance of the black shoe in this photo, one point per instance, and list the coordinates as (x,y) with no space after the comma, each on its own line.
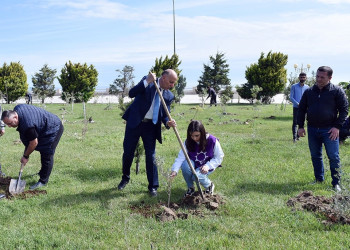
(122,184)
(337,188)
(189,192)
(316,182)
(37,185)
(153,192)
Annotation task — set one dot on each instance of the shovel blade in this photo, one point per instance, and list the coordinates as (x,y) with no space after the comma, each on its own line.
(16,189)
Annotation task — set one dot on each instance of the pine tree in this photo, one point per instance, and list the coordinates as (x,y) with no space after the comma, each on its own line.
(43,85)
(214,75)
(179,88)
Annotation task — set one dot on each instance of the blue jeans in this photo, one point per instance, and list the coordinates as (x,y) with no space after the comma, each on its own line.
(316,137)
(189,176)
(294,125)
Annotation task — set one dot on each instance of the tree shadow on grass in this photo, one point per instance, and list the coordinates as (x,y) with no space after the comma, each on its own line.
(94,174)
(269,188)
(104,196)
(279,118)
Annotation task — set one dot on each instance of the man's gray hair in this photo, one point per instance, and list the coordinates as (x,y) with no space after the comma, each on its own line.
(7,114)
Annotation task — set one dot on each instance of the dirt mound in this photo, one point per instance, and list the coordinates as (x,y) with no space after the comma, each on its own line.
(335,209)
(193,205)
(4,189)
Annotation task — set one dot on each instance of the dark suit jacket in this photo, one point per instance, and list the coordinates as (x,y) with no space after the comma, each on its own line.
(141,104)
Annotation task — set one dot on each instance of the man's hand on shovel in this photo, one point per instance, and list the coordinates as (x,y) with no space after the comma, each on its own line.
(171,123)
(24,160)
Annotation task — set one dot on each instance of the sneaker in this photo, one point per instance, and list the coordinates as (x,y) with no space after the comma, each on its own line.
(189,192)
(210,189)
(37,185)
(337,188)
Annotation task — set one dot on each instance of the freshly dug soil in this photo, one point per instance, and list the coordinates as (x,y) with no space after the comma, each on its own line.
(335,209)
(193,205)
(4,189)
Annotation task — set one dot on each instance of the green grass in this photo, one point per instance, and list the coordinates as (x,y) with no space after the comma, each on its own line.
(84,210)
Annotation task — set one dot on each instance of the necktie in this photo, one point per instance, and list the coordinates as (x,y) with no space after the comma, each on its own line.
(155,108)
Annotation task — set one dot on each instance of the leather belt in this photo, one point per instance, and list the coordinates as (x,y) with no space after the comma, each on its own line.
(146,120)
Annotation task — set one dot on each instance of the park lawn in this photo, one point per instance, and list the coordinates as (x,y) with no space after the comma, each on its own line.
(83,209)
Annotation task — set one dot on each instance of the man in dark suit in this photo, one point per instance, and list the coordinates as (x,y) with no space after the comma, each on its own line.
(143,119)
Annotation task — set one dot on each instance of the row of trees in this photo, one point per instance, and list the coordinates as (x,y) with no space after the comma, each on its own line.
(78,82)
(265,79)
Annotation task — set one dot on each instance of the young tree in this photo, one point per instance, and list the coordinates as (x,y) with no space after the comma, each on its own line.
(245,92)
(226,94)
(13,81)
(79,80)
(269,74)
(43,83)
(179,88)
(215,75)
(121,85)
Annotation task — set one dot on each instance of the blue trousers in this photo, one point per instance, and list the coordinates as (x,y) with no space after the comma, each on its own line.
(190,177)
(317,137)
(294,125)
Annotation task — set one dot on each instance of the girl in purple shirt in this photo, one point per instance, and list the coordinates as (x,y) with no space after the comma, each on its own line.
(205,153)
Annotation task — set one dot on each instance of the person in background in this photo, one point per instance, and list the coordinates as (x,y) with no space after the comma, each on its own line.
(205,153)
(29,98)
(344,131)
(296,92)
(143,119)
(326,107)
(212,95)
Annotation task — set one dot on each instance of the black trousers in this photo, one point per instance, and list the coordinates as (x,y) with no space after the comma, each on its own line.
(47,160)
(213,100)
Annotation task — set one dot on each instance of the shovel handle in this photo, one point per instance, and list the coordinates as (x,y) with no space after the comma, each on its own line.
(20,171)
(179,139)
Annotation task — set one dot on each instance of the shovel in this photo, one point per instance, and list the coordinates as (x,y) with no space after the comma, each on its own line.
(17,186)
(180,141)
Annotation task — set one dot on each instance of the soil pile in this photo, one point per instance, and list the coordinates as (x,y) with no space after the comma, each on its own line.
(4,189)
(335,209)
(193,205)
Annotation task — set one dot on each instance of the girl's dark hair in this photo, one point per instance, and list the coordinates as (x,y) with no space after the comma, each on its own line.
(196,126)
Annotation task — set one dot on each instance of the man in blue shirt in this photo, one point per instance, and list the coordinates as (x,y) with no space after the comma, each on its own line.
(296,92)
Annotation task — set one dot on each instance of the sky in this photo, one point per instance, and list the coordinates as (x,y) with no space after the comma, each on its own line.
(110,34)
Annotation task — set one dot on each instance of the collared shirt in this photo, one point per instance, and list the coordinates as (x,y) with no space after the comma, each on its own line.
(296,92)
(149,114)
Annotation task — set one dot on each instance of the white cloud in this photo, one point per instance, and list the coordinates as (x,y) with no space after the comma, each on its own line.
(335,1)
(93,8)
